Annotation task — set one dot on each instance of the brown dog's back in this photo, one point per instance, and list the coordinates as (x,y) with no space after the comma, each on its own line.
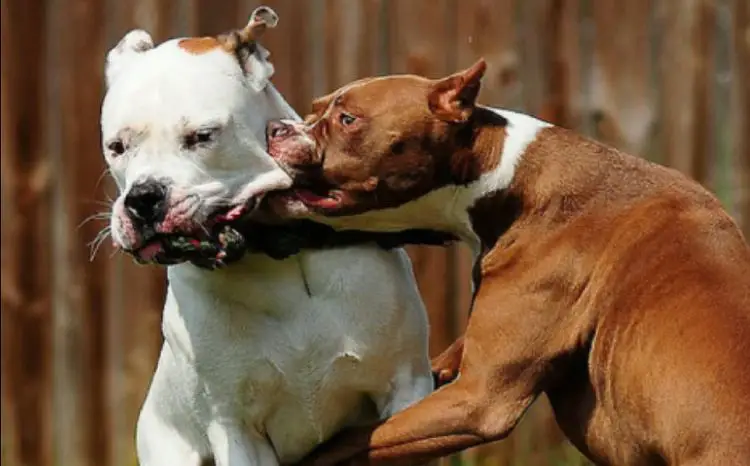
(667,286)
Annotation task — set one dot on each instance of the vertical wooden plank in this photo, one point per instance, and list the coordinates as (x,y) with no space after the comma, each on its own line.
(741,107)
(624,109)
(81,77)
(422,41)
(686,99)
(563,105)
(212,18)
(351,33)
(26,278)
(532,43)
(486,28)
(550,65)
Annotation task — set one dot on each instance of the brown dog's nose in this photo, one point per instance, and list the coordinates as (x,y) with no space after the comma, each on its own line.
(278,129)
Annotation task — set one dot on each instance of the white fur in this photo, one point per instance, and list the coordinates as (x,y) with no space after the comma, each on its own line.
(446,209)
(521,131)
(253,370)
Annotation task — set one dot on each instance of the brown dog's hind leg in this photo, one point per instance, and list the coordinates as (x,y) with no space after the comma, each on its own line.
(445,366)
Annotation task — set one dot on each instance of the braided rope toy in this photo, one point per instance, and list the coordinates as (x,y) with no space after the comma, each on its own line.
(230,241)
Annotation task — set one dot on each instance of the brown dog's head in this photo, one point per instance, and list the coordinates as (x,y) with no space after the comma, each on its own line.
(380,142)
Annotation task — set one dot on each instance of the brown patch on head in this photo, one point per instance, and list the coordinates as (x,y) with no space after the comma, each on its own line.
(199,45)
(232,42)
(382,142)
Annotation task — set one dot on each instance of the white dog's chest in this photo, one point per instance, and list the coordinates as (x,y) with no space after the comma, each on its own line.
(289,367)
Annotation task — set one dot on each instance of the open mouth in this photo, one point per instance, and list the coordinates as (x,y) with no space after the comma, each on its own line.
(329,200)
(312,194)
(214,246)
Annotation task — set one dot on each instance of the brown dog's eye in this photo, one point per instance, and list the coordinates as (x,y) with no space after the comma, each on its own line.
(117,147)
(347,119)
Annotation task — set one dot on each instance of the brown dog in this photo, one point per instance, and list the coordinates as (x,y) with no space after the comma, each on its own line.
(619,288)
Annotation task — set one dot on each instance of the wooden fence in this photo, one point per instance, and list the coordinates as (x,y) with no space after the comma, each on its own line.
(666,79)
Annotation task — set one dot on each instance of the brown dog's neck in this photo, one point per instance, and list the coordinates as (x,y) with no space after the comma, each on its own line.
(489,178)
(518,166)
(477,146)
(500,167)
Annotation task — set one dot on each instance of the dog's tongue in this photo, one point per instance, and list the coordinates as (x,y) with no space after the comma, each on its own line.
(150,251)
(310,198)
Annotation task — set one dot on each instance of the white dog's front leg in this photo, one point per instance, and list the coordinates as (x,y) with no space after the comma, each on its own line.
(159,445)
(233,446)
(411,384)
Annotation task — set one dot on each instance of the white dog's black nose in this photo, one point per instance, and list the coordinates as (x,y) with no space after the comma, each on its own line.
(278,129)
(146,201)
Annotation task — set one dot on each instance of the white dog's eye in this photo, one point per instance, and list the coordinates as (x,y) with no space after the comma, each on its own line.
(117,147)
(199,137)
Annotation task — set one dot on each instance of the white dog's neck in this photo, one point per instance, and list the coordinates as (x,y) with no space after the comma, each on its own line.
(248,268)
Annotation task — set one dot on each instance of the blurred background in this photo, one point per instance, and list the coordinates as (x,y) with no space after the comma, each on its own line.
(668,80)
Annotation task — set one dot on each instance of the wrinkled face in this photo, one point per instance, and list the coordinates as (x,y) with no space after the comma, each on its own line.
(377,143)
(183,136)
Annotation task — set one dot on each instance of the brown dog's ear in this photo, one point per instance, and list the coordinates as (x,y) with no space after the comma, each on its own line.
(319,107)
(320,104)
(453,98)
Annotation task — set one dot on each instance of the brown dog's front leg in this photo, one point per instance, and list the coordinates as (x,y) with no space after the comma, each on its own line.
(458,416)
(505,359)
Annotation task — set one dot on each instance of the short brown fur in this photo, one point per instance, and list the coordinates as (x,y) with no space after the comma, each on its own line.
(199,45)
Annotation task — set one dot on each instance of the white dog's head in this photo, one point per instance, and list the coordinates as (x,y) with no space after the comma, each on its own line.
(183,133)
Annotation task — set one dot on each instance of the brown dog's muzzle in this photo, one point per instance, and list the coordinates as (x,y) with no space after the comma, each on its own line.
(289,144)
(278,129)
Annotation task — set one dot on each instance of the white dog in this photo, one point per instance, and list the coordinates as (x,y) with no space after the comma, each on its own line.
(263,359)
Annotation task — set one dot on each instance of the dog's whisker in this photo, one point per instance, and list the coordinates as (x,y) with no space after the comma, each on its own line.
(92,217)
(107,203)
(106,172)
(97,242)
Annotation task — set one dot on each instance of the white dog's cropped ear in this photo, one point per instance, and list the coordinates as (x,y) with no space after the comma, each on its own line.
(134,43)
(261,19)
(243,43)
(259,69)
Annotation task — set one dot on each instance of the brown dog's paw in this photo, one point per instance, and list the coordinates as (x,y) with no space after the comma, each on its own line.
(445,367)
(443,377)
